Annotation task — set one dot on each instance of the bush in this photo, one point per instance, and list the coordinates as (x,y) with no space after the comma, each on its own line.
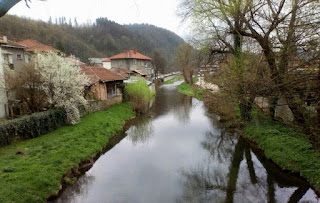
(139,95)
(31,126)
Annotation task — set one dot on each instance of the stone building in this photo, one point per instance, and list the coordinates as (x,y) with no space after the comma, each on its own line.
(133,60)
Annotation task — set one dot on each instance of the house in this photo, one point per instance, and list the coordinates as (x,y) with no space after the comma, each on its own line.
(104,84)
(34,46)
(3,94)
(127,73)
(13,54)
(133,60)
(106,62)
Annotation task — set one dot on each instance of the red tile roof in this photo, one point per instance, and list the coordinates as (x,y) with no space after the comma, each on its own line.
(98,73)
(106,60)
(130,54)
(34,45)
(122,71)
(13,44)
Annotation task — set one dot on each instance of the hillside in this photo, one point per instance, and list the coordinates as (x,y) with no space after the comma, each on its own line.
(102,38)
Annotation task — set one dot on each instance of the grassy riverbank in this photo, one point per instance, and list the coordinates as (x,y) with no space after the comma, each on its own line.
(31,170)
(287,148)
(173,80)
(191,90)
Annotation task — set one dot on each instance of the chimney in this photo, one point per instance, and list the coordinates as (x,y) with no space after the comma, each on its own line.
(5,39)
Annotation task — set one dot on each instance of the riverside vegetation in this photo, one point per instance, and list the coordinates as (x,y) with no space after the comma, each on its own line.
(290,149)
(32,170)
(139,95)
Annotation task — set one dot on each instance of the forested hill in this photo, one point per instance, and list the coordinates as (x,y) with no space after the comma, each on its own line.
(102,38)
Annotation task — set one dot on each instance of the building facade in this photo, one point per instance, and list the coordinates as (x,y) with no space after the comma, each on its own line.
(133,60)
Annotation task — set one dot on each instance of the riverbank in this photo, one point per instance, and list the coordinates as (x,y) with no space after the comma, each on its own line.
(32,170)
(290,150)
(286,147)
(191,90)
(173,80)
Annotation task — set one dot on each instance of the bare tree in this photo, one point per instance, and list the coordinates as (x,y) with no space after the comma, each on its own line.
(159,63)
(286,32)
(25,84)
(184,59)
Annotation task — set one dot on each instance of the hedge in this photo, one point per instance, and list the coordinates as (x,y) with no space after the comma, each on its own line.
(31,126)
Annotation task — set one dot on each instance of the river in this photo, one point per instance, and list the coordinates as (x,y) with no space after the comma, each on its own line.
(179,152)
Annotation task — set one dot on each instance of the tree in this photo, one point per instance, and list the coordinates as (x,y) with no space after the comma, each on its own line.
(213,21)
(159,63)
(25,84)
(62,83)
(284,31)
(184,59)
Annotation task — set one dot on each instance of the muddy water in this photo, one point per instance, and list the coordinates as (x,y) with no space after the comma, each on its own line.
(179,152)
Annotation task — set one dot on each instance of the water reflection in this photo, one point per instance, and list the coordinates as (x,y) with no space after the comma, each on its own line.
(179,152)
(142,131)
(249,178)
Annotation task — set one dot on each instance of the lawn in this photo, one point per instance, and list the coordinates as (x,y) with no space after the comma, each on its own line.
(32,170)
(289,149)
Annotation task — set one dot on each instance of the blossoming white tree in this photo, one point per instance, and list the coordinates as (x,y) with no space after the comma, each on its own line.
(63,83)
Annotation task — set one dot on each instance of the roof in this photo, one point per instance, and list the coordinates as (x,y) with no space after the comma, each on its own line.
(124,70)
(33,45)
(106,60)
(140,72)
(98,73)
(130,54)
(11,44)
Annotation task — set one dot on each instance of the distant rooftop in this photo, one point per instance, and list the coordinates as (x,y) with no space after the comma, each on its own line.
(130,54)
(33,45)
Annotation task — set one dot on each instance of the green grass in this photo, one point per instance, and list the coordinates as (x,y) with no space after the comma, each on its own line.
(173,80)
(287,148)
(190,90)
(36,174)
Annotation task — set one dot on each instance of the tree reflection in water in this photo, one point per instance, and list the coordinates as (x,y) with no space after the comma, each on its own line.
(218,178)
(142,131)
(182,111)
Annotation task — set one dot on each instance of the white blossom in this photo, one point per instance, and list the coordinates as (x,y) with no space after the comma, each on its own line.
(63,83)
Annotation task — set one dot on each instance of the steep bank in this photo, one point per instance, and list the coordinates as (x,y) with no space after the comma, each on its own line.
(32,170)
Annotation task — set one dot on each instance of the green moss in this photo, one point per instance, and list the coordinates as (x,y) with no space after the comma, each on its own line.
(36,173)
(191,90)
(287,148)
(174,79)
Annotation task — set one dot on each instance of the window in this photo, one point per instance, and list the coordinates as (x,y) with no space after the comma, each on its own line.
(19,56)
(111,90)
(120,63)
(134,61)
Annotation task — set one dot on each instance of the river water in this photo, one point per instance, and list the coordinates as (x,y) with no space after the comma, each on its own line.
(179,152)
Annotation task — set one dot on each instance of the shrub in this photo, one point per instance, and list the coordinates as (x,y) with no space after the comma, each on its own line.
(139,95)
(31,126)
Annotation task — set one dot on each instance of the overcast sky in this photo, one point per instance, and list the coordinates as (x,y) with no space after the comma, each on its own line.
(161,13)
